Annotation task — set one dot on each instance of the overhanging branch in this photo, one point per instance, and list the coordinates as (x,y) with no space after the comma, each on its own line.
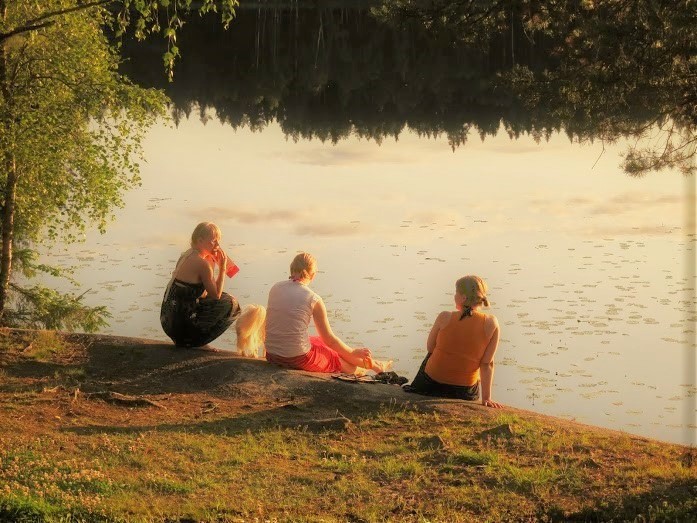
(44,20)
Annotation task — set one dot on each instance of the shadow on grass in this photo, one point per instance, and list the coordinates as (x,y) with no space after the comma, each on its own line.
(668,500)
(143,368)
(274,418)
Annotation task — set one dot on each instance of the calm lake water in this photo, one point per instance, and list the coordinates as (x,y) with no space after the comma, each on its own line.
(591,272)
(591,287)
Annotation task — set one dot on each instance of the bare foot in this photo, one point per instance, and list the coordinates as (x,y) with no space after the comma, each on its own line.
(374,365)
(381,366)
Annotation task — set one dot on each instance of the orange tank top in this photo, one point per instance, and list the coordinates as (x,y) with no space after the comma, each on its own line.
(460,346)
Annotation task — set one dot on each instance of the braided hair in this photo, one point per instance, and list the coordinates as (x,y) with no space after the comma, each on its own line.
(466,311)
(473,289)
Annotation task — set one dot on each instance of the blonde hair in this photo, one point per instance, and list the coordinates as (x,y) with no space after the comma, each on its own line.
(303,266)
(251,330)
(204,230)
(473,289)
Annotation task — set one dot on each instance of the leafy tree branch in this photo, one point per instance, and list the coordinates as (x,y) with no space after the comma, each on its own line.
(44,20)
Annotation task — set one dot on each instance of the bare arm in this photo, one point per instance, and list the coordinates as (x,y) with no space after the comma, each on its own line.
(214,287)
(486,366)
(319,315)
(441,321)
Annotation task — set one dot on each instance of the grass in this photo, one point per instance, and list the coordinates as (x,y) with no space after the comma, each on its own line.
(297,475)
(472,458)
(395,464)
(44,345)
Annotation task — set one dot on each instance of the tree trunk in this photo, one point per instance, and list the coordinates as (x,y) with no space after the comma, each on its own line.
(8,163)
(8,218)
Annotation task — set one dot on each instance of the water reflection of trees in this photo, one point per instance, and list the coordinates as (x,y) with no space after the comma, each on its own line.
(596,70)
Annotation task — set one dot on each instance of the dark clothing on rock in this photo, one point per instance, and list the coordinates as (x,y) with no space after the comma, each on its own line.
(192,321)
(424,384)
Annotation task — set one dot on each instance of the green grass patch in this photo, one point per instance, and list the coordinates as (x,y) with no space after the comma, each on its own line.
(396,469)
(536,481)
(45,345)
(167,486)
(472,458)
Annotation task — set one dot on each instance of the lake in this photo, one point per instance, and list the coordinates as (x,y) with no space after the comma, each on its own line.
(326,136)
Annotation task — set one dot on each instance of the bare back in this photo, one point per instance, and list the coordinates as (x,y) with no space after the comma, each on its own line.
(191,268)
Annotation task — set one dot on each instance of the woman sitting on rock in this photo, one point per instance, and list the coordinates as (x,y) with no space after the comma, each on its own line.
(461,348)
(195,310)
(291,306)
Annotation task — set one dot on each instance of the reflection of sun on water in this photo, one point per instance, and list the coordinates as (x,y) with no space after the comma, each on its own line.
(584,265)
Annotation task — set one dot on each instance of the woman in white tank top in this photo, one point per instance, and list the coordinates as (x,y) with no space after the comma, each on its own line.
(291,306)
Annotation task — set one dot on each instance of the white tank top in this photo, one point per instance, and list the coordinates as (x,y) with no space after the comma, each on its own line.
(288,316)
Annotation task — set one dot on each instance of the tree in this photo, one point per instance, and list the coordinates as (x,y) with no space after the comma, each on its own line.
(613,57)
(145,16)
(70,127)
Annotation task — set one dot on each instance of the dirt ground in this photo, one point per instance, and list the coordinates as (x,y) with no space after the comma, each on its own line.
(110,383)
(101,382)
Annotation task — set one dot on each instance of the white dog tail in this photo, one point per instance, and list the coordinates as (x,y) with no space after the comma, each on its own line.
(251,330)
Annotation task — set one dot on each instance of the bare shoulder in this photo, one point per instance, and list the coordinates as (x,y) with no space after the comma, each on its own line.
(202,266)
(194,262)
(490,322)
(443,318)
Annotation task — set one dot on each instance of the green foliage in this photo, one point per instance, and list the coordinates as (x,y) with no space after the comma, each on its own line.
(26,261)
(616,56)
(611,58)
(471,22)
(41,307)
(459,69)
(147,17)
(74,127)
(71,130)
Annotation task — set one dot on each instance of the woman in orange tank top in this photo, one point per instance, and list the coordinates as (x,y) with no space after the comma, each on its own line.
(461,348)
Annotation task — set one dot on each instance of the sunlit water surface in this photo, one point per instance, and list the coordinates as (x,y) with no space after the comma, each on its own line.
(590,272)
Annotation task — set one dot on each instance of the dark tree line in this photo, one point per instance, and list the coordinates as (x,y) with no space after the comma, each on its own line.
(596,70)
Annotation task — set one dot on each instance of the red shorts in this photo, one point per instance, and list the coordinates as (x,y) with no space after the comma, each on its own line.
(320,358)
